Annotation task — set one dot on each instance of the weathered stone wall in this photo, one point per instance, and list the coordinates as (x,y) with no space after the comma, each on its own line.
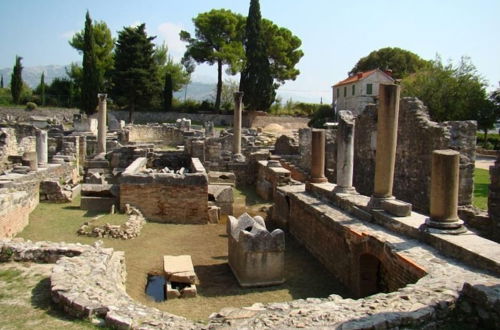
(271,175)
(19,195)
(163,134)
(22,115)
(14,141)
(143,117)
(340,249)
(159,196)
(418,136)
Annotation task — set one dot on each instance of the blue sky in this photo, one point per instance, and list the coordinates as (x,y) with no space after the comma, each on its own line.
(334,34)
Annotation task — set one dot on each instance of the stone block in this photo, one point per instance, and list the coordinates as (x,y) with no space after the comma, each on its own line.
(100,190)
(96,163)
(179,269)
(213,214)
(396,207)
(102,204)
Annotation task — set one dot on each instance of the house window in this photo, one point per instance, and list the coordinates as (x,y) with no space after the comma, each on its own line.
(353,89)
(369,89)
(338,92)
(345,91)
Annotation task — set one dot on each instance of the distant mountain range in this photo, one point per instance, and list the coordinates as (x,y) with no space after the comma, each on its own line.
(196,90)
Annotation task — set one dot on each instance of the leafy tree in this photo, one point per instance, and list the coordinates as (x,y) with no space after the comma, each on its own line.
(90,77)
(103,50)
(217,41)
(256,81)
(168,91)
(401,62)
(135,77)
(283,51)
(450,92)
(1,82)
(166,65)
(227,95)
(16,82)
(61,93)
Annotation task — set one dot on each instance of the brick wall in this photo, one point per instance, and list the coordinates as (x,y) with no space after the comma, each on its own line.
(341,249)
(167,197)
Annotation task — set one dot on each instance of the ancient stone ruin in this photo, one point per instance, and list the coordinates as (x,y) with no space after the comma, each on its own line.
(256,256)
(376,199)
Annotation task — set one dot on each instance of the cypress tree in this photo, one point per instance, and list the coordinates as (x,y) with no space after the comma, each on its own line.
(42,89)
(90,81)
(256,81)
(1,82)
(168,92)
(16,82)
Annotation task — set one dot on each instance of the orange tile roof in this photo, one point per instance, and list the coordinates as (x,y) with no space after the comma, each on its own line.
(355,77)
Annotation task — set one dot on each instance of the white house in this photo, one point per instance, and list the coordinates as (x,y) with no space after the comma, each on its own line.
(358,90)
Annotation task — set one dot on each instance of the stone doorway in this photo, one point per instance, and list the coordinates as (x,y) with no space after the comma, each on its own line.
(372,275)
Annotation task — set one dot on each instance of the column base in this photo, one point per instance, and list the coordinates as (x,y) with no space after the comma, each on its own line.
(376,202)
(442,227)
(345,190)
(318,180)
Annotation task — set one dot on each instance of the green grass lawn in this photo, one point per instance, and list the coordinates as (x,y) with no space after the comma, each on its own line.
(481,183)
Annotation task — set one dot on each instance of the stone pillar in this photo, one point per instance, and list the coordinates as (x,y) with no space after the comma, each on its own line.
(30,159)
(444,193)
(101,129)
(42,148)
(318,156)
(238,97)
(387,134)
(345,152)
(494,194)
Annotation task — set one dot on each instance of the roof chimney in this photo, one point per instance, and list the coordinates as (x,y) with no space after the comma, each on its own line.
(359,74)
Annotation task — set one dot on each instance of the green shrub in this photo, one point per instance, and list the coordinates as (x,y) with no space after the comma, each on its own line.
(31,106)
(492,143)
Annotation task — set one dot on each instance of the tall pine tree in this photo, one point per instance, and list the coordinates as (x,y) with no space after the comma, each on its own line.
(90,81)
(168,92)
(16,82)
(135,76)
(256,81)
(42,89)
(1,82)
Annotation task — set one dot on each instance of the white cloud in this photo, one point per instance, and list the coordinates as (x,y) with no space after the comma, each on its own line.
(67,35)
(170,33)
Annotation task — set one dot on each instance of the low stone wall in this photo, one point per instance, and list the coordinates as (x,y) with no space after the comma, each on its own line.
(22,115)
(159,196)
(271,175)
(89,282)
(164,134)
(19,195)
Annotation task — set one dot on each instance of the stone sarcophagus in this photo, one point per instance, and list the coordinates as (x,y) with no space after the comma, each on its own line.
(256,256)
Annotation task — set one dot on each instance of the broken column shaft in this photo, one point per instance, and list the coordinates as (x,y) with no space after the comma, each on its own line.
(318,157)
(101,128)
(345,152)
(387,133)
(42,148)
(238,96)
(444,192)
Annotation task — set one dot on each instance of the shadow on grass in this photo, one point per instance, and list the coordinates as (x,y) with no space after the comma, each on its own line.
(481,190)
(251,197)
(305,277)
(40,299)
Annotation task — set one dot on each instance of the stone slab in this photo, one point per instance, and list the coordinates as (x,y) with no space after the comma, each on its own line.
(397,207)
(179,269)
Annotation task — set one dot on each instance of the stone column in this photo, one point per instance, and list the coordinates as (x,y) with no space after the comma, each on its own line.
(101,129)
(318,157)
(42,148)
(345,152)
(238,97)
(444,193)
(387,134)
